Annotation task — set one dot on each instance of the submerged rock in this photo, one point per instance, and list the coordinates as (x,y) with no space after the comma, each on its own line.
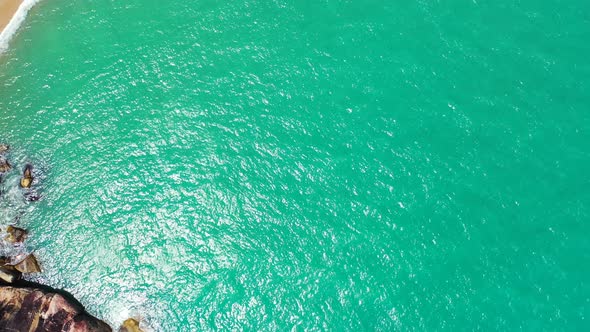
(15,234)
(28,265)
(32,309)
(4,165)
(4,148)
(27,178)
(32,196)
(130,325)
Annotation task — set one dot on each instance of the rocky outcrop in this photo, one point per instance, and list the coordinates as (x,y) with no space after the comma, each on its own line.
(28,265)
(32,307)
(39,310)
(9,275)
(12,272)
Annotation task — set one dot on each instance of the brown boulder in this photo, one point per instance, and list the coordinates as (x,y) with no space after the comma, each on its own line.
(8,274)
(15,234)
(28,265)
(130,325)
(27,178)
(31,309)
(4,165)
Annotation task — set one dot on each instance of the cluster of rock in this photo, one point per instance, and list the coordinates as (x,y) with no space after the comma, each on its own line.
(26,306)
(12,269)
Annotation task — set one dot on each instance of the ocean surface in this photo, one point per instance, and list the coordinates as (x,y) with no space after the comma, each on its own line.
(306,165)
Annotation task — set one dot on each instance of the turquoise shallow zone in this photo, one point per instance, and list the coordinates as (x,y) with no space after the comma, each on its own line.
(307,165)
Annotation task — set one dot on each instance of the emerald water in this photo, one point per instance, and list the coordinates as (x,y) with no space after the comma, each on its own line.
(328,165)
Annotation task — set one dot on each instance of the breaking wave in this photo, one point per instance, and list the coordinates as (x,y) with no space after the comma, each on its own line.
(15,23)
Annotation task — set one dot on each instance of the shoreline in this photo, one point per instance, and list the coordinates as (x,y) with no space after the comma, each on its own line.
(8,9)
(12,15)
(25,305)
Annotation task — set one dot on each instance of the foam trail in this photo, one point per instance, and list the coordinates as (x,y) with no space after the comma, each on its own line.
(15,22)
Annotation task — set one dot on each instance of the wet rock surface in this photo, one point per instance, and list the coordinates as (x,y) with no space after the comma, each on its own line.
(27,178)
(28,265)
(37,309)
(15,234)
(9,275)
(130,325)
(4,165)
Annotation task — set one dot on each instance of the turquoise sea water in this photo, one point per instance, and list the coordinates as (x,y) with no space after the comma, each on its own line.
(326,165)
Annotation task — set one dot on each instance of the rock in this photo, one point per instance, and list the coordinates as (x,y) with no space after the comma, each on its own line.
(15,234)
(4,165)
(9,275)
(7,272)
(4,148)
(32,309)
(130,325)
(28,265)
(25,182)
(27,178)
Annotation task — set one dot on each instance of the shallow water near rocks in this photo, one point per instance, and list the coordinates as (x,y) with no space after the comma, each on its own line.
(275,165)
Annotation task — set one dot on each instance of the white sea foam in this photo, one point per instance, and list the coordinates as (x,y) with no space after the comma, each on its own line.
(15,23)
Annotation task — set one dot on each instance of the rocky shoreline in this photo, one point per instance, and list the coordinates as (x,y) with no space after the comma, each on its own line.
(35,307)
(29,306)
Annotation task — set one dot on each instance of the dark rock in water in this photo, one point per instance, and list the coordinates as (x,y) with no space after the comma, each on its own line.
(15,234)
(28,265)
(4,148)
(27,178)
(32,309)
(4,165)
(130,325)
(28,171)
(32,196)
